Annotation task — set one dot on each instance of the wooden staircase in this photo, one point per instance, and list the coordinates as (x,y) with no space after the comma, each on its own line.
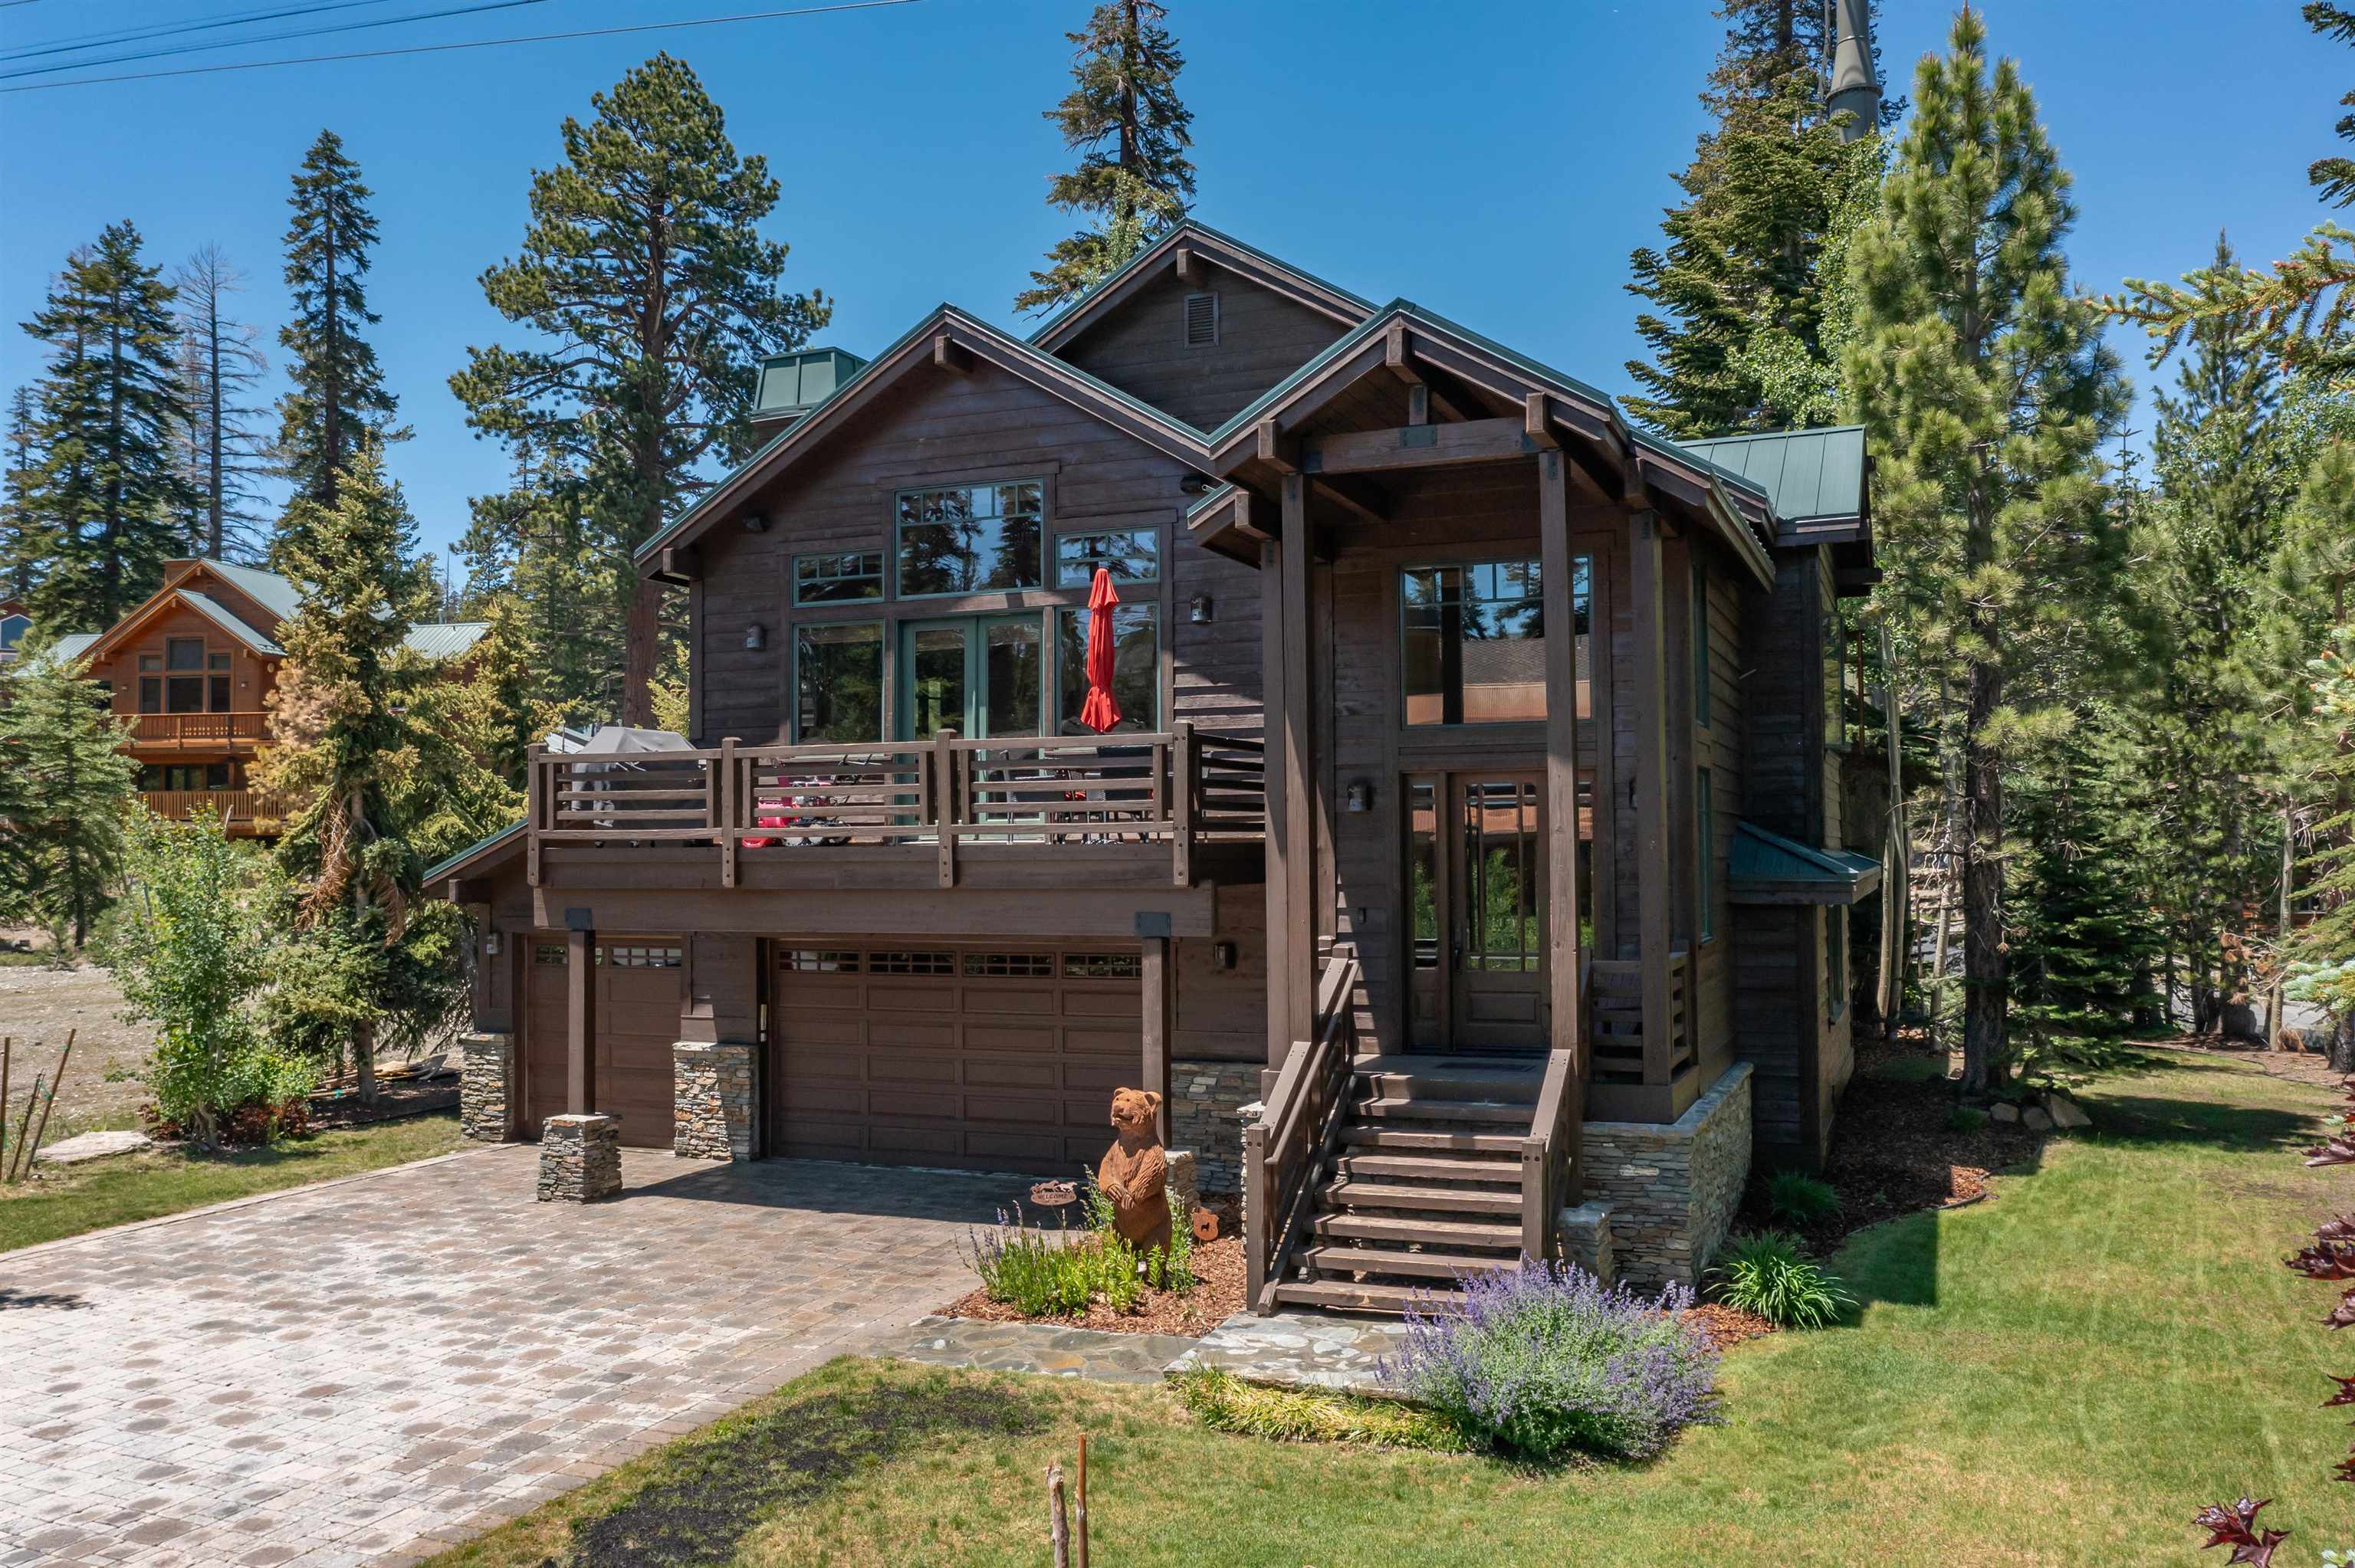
(1425,1186)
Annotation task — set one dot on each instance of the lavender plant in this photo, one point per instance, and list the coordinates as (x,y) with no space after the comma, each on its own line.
(1547,1361)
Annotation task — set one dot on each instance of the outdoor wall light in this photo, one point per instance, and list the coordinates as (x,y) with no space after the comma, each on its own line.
(756,524)
(1222,954)
(1202,611)
(1197,484)
(1361,796)
(492,946)
(756,637)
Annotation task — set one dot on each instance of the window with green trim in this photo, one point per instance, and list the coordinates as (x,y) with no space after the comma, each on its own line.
(839,577)
(972,538)
(1700,644)
(1130,555)
(839,683)
(1135,664)
(1705,854)
(1475,641)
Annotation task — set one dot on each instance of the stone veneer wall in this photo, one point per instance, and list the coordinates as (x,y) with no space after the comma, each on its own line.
(1672,1188)
(712,1101)
(580,1159)
(486,1079)
(1205,1102)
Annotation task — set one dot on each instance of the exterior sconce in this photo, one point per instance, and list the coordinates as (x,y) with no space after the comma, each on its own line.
(1196,484)
(1361,796)
(756,524)
(1202,611)
(492,946)
(1222,954)
(756,637)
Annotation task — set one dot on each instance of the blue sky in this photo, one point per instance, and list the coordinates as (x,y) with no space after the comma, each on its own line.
(1496,161)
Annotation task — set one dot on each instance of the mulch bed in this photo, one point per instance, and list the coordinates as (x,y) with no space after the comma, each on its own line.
(1217,1294)
(1729,1326)
(395,1098)
(1894,1153)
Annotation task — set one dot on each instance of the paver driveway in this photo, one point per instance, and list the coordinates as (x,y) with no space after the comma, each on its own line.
(363,1372)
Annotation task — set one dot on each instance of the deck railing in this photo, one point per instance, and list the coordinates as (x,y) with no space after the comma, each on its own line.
(237,807)
(1286,1149)
(198,730)
(1182,788)
(1550,1155)
(1623,1053)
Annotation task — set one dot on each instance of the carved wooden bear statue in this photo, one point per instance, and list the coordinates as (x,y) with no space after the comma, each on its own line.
(1136,1173)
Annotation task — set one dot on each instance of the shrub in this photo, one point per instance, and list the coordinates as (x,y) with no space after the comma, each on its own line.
(1034,1269)
(1224,1403)
(1799,1197)
(1546,1360)
(1769,1274)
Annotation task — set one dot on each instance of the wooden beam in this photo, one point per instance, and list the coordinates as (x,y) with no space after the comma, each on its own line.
(580,1023)
(1358,497)
(1647,591)
(1299,937)
(1418,403)
(950,355)
(1159,984)
(1395,356)
(1277,880)
(1417,446)
(1536,424)
(679,564)
(1185,260)
(1567,1025)
(1273,449)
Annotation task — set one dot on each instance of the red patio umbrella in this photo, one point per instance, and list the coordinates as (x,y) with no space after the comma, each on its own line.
(1102,709)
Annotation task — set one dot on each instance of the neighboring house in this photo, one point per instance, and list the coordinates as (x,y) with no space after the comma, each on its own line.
(1448,930)
(15,624)
(190,671)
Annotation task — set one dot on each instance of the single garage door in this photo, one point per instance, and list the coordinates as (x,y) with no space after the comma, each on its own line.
(637,1022)
(996,1058)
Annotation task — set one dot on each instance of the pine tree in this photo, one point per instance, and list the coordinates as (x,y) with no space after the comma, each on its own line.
(20,547)
(68,787)
(107,500)
(1985,390)
(542,574)
(220,366)
(1124,120)
(1742,334)
(645,269)
(338,402)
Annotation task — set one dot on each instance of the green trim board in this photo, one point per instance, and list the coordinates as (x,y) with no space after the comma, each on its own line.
(1767,868)
(510,837)
(1188,230)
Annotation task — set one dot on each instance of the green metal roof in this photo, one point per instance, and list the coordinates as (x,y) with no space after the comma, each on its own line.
(1809,475)
(796,383)
(443,866)
(446,638)
(1767,868)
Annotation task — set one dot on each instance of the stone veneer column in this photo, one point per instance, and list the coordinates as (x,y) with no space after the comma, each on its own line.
(1586,1239)
(580,1159)
(713,1100)
(1672,1188)
(485,1086)
(1207,1100)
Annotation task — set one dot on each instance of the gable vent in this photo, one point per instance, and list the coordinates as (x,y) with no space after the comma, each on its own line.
(1201,321)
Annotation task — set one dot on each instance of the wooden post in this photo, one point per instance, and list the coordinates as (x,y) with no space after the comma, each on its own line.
(1566,1028)
(534,809)
(1160,1005)
(724,813)
(1299,941)
(580,1023)
(944,781)
(1256,1219)
(1645,586)
(1279,882)
(1183,784)
(1079,1513)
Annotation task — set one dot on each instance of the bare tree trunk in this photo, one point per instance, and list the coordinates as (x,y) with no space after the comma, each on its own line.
(1897,860)
(1984,986)
(2274,998)
(364,1061)
(2342,1044)
(643,635)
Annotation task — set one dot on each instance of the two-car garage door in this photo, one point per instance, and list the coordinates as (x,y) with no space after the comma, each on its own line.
(998,1057)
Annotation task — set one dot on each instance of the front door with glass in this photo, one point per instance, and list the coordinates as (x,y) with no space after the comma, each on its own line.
(979,675)
(1476,887)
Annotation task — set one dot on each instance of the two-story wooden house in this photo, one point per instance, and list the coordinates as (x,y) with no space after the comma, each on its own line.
(189,672)
(1465,867)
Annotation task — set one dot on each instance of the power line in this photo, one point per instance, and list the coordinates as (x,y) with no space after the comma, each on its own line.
(140,34)
(270,37)
(440,48)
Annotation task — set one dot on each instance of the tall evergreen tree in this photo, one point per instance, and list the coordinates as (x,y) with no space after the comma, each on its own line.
(1987,391)
(107,500)
(537,568)
(338,402)
(644,270)
(1738,313)
(1123,118)
(19,548)
(220,367)
(68,784)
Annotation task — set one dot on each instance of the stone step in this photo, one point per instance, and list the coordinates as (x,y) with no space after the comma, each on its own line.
(1438,1139)
(1333,1260)
(1363,1194)
(1431,1168)
(1492,1079)
(1459,1234)
(1393,1299)
(1506,1113)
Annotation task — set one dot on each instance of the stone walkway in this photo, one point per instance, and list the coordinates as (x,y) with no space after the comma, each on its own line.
(1298,1349)
(1042,1348)
(364,1372)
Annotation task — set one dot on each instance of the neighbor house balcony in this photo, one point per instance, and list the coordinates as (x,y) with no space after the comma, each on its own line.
(165,732)
(1177,809)
(244,813)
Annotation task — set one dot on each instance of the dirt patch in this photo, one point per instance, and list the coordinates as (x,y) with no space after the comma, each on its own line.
(1218,1277)
(102,1087)
(1727,1326)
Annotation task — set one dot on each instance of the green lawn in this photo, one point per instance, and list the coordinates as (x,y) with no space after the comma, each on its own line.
(69,1199)
(2059,1375)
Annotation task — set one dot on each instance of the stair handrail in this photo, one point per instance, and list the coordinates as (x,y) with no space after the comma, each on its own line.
(1298,1128)
(1547,1156)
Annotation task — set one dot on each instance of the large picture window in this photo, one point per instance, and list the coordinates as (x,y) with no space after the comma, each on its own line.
(1130,555)
(838,684)
(973,538)
(1137,668)
(1474,640)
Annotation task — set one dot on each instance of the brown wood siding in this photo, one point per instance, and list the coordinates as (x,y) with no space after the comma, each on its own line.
(637,1023)
(1784,713)
(1140,346)
(962,1071)
(1769,964)
(1222,1013)
(1719,747)
(940,429)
